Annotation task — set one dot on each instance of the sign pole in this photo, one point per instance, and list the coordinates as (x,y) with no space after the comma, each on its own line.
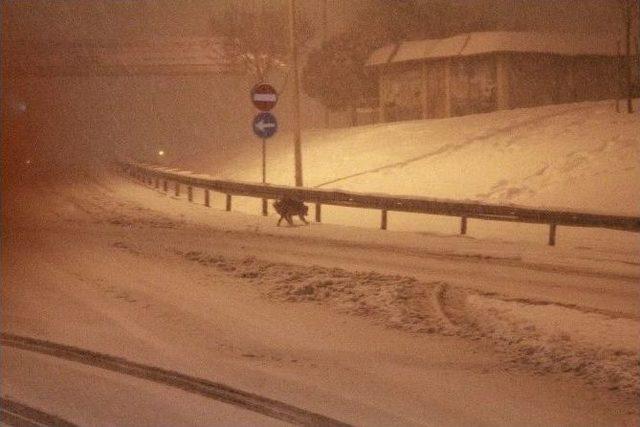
(264,173)
(264,160)
(265,125)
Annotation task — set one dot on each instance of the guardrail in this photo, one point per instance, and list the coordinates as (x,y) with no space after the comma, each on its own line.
(156,175)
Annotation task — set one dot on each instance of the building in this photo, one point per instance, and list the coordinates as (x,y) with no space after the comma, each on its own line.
(482,72)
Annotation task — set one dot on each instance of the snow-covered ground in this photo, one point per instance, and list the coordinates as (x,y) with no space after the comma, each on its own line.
(365,326)
(409,326)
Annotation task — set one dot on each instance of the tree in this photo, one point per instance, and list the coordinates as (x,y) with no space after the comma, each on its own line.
(336,75)
(336,72)
(257,37)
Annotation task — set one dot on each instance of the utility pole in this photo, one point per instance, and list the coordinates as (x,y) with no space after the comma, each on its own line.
(620,89)
(296,93)
(629,19)
(325,37)
(628,11)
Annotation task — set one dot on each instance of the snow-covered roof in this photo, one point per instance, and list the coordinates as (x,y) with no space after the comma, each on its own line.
(497,41)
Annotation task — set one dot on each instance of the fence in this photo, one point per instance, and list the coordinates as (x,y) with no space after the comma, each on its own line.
(160,176)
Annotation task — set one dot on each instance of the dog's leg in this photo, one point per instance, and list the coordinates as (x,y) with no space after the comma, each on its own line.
(280,220)
(289,220)
(303,219)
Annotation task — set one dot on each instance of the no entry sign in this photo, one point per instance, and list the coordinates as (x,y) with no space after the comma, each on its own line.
(264,97)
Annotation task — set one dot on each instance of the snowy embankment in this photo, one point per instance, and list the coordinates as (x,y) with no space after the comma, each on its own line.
(584,157)
(580,156)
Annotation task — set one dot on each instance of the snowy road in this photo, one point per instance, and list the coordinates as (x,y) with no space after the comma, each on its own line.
(364,327)
(198,386)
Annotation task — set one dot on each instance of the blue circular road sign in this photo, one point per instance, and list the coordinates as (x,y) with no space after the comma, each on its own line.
(265,125)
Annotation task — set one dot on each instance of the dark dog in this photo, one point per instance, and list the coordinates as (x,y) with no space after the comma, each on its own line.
(286,208)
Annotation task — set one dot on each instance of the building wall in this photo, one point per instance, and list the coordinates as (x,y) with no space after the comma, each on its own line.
(552,79)
(473,85)
(477,84)
(434,89)
(401,92)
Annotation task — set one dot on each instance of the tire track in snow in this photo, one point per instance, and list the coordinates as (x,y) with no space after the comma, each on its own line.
(18,414)
(517,328)
(212,390)
(507,324)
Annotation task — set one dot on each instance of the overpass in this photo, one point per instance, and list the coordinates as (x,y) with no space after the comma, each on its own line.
(161,56)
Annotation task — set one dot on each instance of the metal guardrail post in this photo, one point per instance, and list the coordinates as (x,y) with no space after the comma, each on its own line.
(228,202)
(463,225)
(265,211)
(318,212)
(190,193)
(552,235)
(383,223)
(177,189)
(165,186)
(157,184)
(206,198)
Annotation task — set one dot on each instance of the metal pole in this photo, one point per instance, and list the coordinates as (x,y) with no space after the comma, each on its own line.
(325,38)
(463,225)
(264,161)
(552,235)
(629,19)
(296,94)
(264,173)
(619,78)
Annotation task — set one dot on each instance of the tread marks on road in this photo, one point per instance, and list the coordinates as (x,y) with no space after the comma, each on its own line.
(18,414)
(220,392)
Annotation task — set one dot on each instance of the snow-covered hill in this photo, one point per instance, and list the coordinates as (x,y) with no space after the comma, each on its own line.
(583,156)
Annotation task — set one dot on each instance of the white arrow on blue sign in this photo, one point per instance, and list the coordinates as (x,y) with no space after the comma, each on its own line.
(265,125)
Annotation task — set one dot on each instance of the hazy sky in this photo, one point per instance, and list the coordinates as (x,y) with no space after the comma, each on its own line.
(102,19)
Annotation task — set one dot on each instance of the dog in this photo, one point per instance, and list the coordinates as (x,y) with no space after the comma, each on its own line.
(287,207)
